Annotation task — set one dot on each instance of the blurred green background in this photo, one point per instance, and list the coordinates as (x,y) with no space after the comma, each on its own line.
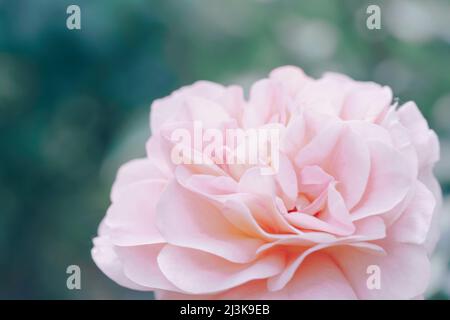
(74,104)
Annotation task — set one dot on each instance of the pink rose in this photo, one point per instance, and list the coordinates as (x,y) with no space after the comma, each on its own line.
(352,197)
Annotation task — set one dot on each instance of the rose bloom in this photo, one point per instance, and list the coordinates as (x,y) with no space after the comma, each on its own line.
(354,193)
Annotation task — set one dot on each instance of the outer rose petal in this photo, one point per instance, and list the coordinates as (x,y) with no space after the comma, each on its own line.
(405,270)
(389,182)
(335,86)
(135,171)
(414,223)
(140,266)
(193,222)
(424,139)
(291,78)
(224,101)
(131,217)
(107,261)
(197,272)
(432,184)
(318,278)
(366,102)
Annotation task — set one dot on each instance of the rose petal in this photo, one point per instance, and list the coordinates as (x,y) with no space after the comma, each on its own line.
(388,184)
(199,272)
(140,266)
(404,270)
(414,223)
(194,222)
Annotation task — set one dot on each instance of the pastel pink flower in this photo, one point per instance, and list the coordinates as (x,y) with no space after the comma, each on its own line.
(354,189)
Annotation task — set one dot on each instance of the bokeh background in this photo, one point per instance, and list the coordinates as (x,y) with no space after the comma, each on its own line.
(74,104)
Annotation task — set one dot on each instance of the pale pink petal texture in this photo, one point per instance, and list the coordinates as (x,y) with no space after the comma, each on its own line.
(350,190)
